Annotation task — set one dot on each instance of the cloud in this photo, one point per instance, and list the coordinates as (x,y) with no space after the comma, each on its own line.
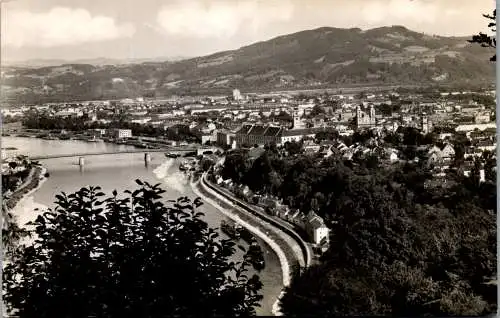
(222,19)
(60,27)
(400,12)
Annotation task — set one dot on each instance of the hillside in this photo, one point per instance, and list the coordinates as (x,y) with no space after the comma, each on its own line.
(313,58)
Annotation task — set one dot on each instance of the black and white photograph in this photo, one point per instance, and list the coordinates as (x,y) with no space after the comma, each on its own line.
(228,158)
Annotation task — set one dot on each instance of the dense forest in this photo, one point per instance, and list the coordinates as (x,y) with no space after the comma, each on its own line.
(402,242)
(128,255)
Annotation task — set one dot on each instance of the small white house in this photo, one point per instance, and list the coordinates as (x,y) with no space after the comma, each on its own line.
(393,156)
(316,228)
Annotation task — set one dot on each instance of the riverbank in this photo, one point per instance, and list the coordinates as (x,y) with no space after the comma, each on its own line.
(34,181)
(138,142)
(256,228)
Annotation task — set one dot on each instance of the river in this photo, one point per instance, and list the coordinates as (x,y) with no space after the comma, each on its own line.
(119,172)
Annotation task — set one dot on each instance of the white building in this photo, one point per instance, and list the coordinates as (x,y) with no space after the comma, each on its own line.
(141,121)
(316,229)
(472,127)
(121,133)
(237,94)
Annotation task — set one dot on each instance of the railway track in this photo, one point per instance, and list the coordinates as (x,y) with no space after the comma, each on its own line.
(304,247)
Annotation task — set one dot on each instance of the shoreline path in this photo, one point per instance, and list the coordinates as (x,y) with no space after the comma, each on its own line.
(282,244)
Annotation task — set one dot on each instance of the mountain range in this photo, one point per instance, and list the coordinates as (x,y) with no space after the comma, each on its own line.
(323,57)
(37,63)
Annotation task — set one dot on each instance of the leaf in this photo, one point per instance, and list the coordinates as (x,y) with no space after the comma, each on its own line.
(139,182)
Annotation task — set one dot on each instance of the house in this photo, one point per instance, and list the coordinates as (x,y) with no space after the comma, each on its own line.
(120,133)
(268,204)
(208,137)
(439,155)
(281,211)
(298,134)
(472,152)
(393,156)
(348,154)
(292,216)
(311,147)
(444,136)
(225,137)
(487,144)
(300,220)
(218,180)
(390,154)
(326,151)
(316,229)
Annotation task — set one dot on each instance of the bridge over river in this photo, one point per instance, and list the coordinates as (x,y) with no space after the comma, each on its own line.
(86,154)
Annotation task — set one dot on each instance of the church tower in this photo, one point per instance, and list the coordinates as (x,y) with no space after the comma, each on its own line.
(359,116)
(373,120)
(297,121)
(425,124)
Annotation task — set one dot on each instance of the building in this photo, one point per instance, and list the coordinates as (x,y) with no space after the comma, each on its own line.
(486,145)
(120,133)
(266,134)
(442,155)
(482,118)
(237,95)
(97,132)
(225,137)
(298,134)
(208,137)
(425,124)
(472,127)
(297,121)
(68,114)
(258,135)
(316,229)
(365,120)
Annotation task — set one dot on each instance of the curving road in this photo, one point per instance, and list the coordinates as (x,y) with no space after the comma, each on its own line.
(293,252)
(300,247)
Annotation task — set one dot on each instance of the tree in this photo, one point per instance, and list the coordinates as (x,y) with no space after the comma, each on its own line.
(206,164)
(12,166)
(486,40)
(327,134)
(293,147)
(235,166)
(126,257)
(400,244)
(11,232)
(316,110)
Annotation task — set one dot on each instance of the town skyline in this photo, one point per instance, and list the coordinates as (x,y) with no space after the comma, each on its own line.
(59,29)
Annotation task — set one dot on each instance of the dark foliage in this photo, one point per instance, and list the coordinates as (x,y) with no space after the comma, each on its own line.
(328,134)
(486,40)
(127,257)
(398,246)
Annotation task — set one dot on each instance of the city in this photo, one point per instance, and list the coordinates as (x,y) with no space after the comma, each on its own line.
(294,196)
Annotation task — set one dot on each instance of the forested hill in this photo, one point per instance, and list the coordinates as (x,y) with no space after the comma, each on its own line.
(313,58)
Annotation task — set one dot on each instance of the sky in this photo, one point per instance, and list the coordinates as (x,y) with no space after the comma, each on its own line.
(126,29)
